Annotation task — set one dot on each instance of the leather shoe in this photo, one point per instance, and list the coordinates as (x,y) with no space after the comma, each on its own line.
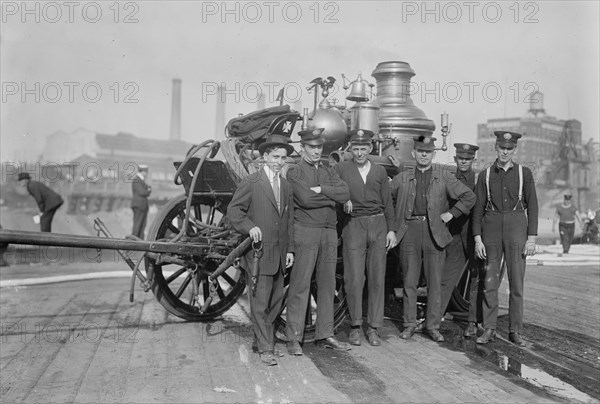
(516,339)
(354,337)
(294,348)
(436,335)
(334,344)
(487,336)
(373,337)
(471,330)
(268,358)
(408,332)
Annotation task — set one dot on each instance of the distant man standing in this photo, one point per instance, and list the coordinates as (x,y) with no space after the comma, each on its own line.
(139,201)
(369,232)
(263,208)
(461,250)
(422,194)
(505,223)
(565,215)
(47,200)
(317,189)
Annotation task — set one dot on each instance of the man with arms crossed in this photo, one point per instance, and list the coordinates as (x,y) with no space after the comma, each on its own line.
(317,189)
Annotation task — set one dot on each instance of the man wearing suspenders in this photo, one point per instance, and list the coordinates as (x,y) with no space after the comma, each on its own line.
(505,223)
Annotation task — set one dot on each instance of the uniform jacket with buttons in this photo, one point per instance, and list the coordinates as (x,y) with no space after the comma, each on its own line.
(253,204)
(443,187)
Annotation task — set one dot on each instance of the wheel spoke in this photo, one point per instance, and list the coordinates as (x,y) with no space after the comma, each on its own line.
(175,275)
(183,286)
(220,291)
(228,278)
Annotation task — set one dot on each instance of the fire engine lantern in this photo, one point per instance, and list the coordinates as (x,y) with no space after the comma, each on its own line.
(399,119)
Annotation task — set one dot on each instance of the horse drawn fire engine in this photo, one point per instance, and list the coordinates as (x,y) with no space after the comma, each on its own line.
(192,257)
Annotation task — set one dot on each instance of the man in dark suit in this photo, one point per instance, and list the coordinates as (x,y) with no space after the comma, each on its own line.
(139,201)
(262,208)
(422,193)
(47,200)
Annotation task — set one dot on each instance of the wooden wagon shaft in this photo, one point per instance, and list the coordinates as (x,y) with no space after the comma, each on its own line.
(68,240)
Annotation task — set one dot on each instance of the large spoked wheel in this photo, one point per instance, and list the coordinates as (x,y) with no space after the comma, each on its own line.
(183,289)
(339,306)
(459,301)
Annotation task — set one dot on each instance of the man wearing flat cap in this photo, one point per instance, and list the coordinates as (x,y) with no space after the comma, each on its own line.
(140,191)
(505,224)
(47,200)
(422,194)
(460,253)
(262,207)
(368,233)
(317,189)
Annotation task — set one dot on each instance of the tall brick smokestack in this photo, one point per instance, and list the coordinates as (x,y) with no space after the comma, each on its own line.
(175,133)
(220,115)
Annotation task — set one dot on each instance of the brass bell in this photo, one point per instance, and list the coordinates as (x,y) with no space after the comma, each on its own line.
(358,90)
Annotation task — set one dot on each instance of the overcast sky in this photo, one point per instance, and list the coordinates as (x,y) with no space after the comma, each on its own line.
(107,67)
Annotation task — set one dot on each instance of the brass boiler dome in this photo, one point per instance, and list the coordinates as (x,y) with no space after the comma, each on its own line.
(399,119)
(332,120)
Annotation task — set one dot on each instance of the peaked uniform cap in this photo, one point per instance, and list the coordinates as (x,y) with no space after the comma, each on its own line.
(361,136)
(312,137)
(465,150)
(424,142)
(507,139)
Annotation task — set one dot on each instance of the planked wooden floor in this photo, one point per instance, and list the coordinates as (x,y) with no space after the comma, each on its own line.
(84,342)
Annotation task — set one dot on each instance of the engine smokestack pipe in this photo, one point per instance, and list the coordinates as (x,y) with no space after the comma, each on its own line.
(175,133)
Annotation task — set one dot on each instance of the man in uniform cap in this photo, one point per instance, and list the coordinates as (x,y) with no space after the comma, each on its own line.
(422,195)
(461,250)
(317,189)
(47,200)
(140,191)
(565,215)
(505,223)
(262,207)
(368,233)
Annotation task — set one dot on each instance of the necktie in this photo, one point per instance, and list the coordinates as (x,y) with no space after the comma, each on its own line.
(276,191)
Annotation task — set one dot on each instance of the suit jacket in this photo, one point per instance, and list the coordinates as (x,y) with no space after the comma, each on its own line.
(140,192)
(45,197)
(253,204)
(443,186)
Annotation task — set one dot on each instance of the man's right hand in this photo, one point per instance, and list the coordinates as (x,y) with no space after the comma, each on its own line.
(255,234)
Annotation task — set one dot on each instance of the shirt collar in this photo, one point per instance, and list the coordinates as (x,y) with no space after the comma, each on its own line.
(510,165)
(269,171)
